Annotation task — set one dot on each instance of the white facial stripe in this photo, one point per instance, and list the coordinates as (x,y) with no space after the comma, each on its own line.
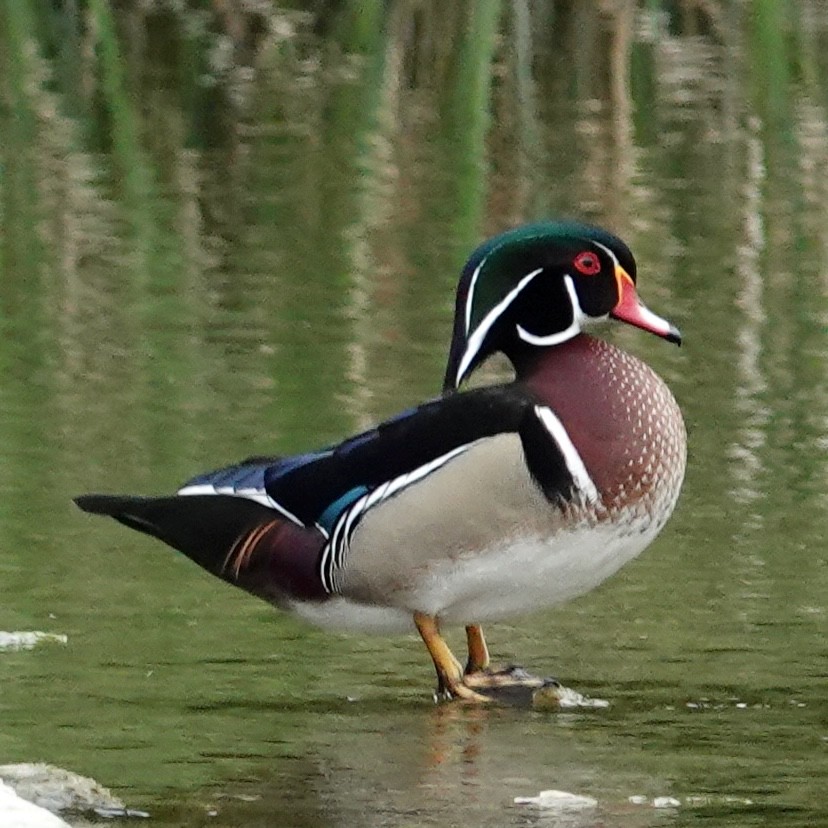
(608,252)
(475,341)
(573,460)
(578,320)
(470,297)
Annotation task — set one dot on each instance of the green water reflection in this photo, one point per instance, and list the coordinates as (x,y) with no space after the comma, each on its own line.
(227,232)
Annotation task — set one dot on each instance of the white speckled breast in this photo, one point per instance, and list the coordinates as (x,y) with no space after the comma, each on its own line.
(626,425)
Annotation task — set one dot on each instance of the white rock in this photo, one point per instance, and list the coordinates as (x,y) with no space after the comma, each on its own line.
(26,640)
(19,813)
(558,800)
(666,802)
(572,698)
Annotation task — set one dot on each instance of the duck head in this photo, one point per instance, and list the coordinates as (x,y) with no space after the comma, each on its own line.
(538,286)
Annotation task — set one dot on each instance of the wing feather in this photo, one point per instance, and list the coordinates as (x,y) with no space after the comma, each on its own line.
(316,489)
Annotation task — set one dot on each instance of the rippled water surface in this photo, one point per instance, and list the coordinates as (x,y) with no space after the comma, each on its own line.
(234,232)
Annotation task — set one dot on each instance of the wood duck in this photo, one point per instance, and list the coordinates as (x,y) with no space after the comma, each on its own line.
(475,506)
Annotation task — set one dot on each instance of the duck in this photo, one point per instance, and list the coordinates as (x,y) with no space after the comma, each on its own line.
(484,503)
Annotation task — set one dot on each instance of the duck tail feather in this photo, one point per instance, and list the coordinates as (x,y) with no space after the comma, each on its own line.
(204,527)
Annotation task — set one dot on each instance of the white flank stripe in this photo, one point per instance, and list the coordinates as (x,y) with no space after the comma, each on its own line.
(333,555)
(573,460)
(374,496)
(476,340)
(324,566)
(257,495)
(391,487)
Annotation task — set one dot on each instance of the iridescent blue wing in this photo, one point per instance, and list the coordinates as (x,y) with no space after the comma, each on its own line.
(314,489)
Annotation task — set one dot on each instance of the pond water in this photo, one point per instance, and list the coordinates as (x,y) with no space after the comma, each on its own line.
(234,232)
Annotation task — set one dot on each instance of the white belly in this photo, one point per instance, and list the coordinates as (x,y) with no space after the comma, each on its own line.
(527,575)
(516,578)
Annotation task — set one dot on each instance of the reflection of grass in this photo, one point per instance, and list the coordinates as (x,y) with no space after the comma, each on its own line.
(128,156)
(395,115)
(768,55)
(466,117)
(466,49)
(20,245)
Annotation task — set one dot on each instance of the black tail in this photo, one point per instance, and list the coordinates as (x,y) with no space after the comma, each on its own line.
(204,527)
(238,540)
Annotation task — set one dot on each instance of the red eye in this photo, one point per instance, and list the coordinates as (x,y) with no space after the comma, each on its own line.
(587,263)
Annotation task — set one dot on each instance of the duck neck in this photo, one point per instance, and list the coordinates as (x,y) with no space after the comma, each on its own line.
(530,360)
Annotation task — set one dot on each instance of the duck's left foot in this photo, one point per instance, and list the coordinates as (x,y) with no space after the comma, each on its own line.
(511,676)
(515,687)
(456,688)
(512,684)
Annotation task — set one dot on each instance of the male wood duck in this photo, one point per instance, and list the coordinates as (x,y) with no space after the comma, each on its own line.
(475,506)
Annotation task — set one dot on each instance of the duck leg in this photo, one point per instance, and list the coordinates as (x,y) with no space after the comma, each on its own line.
(449,670)
(478,651)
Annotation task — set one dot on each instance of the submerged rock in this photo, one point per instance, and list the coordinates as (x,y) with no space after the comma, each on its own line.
(554,696)
(516,686)
(666,802)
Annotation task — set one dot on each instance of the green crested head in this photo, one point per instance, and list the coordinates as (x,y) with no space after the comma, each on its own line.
(539,285)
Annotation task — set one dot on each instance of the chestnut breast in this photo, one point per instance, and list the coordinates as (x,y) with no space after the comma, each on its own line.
(622,419)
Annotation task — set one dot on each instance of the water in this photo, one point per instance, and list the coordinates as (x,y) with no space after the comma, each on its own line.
(237,246)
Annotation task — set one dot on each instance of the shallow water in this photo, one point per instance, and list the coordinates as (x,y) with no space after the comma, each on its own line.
(250,246)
